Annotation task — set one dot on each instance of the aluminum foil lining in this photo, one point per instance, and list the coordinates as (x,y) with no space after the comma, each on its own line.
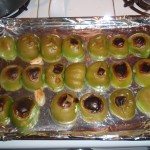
(112,128)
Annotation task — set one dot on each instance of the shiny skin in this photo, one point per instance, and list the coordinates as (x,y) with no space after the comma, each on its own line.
(75,76)
(33,84)
(118,52)
(28,47)
(97,81)
(127,110)
(117,82)
(142,51)
(97,47)
(142,78)
(90,116)
(54,80)
(7,48)
(6,101)
(62,114)
(51,47)
(10,78)
(143,100)
(73,49)
(31,117)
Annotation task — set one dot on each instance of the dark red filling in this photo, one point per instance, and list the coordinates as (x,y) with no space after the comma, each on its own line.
(12,73)
(93,103)
(139,41)
(118,42)
(101,71)
(23,107)
(73,41)
(145,67)
(58,68)
(33,73)
(120,100)
(121,70)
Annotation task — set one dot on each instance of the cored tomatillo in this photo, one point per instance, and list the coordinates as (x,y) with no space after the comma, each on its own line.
(142,72)
(139,45)
(122,104)
(32,77)
(28,46)
(10,78)
(63,108)
(118,46)
(51,47)
(72,48)
(25,113)
(93,107)
(97,76)
(121,74)
(54,75)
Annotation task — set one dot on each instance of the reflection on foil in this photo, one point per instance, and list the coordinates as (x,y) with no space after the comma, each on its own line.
(112,128)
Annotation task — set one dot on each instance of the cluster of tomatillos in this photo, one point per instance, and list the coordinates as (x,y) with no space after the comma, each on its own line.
(98,76)
(51,47)
(65,106)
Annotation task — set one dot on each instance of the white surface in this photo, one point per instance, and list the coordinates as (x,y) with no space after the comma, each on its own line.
(32,11)
(71,144)
(88,8)
(121,10)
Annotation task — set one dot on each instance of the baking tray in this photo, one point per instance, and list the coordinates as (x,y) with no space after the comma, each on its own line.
(112,128)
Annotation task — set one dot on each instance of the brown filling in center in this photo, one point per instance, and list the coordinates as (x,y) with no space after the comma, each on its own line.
(23,107)
(121,70)
(139,41)
(94,104)
(145,67)
(66,100)
(74,41)
(12,73)
(58,68)
(120,100)
(100,71)
(118,42)
(33,73)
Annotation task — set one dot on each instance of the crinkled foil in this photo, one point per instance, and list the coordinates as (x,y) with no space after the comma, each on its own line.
(112,128)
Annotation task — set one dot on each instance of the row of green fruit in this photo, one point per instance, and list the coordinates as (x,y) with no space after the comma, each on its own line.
(51,47)
(98,75)
(64,106)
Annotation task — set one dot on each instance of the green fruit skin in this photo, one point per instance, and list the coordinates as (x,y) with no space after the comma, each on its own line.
(62,115)
(127,110)
(28,47)
(5,113)
(29,121)
(143,51)
(7,48)
(89,116)
(143,100)
(96,81)
(55,81)
(117,82)
(97,47)
(73,52)
(8,83)
(142,79)
(75,75)
(31,84)
(51,48)
(118,52)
